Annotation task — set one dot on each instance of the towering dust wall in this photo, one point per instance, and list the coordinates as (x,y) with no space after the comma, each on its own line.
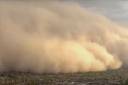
(58,37)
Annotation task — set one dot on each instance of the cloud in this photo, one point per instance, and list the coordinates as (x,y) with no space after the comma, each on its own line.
(58,37)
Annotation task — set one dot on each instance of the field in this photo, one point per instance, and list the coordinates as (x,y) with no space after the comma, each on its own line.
(111,77)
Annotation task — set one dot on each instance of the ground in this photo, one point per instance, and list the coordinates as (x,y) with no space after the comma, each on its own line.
(110,77)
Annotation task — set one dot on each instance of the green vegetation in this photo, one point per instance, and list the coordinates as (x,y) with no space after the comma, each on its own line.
(111,77)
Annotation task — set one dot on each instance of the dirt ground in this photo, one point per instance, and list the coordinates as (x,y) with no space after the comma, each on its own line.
(110,77)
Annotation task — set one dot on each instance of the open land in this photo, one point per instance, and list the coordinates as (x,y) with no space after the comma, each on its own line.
(110,77)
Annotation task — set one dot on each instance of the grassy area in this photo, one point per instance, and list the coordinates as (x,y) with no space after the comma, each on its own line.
(111,77)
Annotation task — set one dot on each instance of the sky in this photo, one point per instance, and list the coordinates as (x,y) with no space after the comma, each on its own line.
(114,9)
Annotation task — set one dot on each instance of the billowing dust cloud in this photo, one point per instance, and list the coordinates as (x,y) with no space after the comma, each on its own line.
(58,37)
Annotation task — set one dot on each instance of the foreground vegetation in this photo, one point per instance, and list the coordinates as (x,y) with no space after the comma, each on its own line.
(111,77)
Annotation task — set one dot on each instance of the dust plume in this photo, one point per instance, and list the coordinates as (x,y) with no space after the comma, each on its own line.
(58,37)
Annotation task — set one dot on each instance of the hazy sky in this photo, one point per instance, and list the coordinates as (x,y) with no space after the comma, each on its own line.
(115,9)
